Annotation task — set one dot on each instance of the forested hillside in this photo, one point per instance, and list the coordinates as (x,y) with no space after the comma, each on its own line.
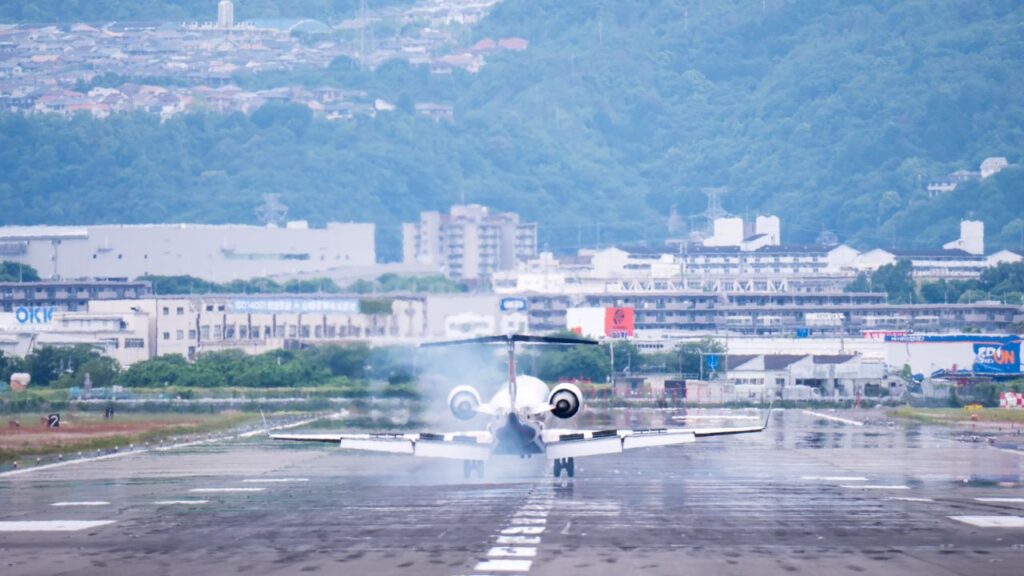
(833,114)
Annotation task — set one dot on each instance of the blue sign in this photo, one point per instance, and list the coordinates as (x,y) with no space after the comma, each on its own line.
(997,357)
(34,314)
(513,304)
(711,361)
(803,332)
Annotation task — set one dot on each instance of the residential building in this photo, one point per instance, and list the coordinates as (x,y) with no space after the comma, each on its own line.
(470,242)
(29,299)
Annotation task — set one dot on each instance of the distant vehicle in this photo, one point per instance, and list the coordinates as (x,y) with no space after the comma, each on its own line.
(517,428)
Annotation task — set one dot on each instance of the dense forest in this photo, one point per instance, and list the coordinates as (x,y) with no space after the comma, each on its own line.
(833,114)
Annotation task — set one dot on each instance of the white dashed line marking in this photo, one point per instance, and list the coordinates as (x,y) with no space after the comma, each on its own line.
(512,552)
(875,486)
(519,520)
(516,540)
(96,503)
(206,490)
(991,521)
(504,565)
(530,530)
(52,525)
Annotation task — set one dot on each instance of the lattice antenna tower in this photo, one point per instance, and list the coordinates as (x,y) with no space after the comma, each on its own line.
(272,212)
(714,209)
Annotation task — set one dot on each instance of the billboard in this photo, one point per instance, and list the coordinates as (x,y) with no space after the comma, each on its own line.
(295,305)
(600,322)
(618,322)
(997,357)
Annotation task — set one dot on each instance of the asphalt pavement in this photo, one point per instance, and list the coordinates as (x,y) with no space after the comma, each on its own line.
(811,495)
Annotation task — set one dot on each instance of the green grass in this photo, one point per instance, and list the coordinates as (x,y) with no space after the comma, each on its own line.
(958,415)
(171,425)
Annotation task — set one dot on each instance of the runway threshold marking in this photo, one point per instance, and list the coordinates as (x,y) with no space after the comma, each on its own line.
(94,503)
(833,418)
(991,521)
(512,551)
(504,565)
(51,525)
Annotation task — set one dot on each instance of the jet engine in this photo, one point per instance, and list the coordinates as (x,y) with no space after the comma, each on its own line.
(463,401)
(565,400)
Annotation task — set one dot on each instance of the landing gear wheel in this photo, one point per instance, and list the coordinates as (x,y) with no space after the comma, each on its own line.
(567,464)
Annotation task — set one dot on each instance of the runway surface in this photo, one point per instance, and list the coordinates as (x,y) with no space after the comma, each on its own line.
(810,495)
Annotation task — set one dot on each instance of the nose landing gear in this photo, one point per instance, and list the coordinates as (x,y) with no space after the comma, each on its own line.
(567,464)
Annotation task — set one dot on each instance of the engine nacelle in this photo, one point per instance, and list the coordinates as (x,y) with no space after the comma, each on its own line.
(463,401)
(565,400)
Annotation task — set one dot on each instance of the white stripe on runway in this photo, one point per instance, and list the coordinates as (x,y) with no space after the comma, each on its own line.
(203,490)
(1002,500)
(52,525)
(179,502)
(991,521)
(274,480)
(835,478)
(96,503)
(875,486)
(504,566)
(515,540)
(513,552)
(529,530)
(910,499)
(519,520)
(833,418)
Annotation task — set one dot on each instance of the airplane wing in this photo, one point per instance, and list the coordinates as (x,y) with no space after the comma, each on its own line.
(573,443)
(474,445)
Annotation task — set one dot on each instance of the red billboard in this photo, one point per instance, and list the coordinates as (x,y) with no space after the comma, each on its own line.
(618,322)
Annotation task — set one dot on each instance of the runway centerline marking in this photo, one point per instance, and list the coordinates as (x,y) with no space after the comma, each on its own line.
(909,499)
(516,540)
(274,480)
(835,478)
(51,525)
(179,502)
(991,521)
(513,551)
(530,530)
(503,565)
(92,503)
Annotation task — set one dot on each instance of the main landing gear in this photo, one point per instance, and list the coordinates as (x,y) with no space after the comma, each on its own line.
(470,466)
(567,464)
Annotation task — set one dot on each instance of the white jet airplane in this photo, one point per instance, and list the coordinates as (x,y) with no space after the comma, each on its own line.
(517,429)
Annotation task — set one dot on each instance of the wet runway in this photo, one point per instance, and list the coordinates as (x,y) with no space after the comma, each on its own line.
(809,496)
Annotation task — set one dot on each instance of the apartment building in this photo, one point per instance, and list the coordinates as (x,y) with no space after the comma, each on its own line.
(470,242)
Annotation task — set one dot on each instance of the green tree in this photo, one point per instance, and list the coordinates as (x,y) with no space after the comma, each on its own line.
(897,281)
(17,272)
